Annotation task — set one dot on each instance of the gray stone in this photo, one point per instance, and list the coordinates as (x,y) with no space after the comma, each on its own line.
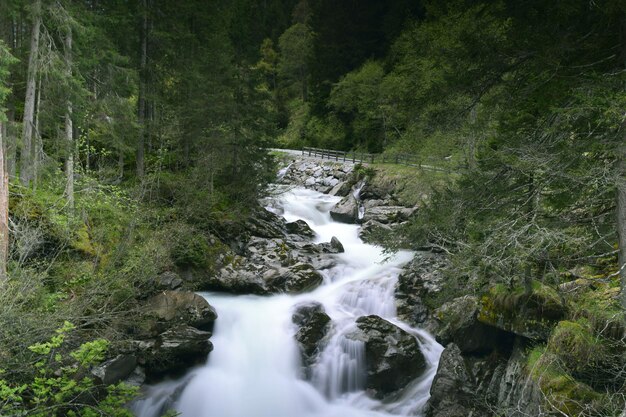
(115,370)
(459,324)
(452,390)
(295,279)
(313,324)
(346,210)
(387,214)
(168,281)
(178,307)
(301,228)
(174,351)
(393,356)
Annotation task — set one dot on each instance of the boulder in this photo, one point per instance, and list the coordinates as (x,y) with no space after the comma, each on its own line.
(179,307)
(452,391)
(459,324)
(313,324)
(532,315)
(422,279)
(334,246)
(168,280)
(266,224)
(388,214)
(300,228)
(235,279)
(341,189)
(115,370)
(393,357)
(295,279)
(347,210)
(370,229)
(174,351)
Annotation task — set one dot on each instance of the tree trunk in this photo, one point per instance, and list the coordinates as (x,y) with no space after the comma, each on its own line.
(69,129)
(4,211)
(37,145)
(142,91)
(29,103)
(10,141)
(621,190)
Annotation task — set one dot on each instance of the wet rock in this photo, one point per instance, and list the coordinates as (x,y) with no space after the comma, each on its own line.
(393,356)
(174,351)
(313,324)
(459,324)
(179,307)
(298,278)
(421,279)
(452,390)
(115,370)
(266,224)
(341,189)
(300,228)
(336,245)
(235,279)
(370,229)
(346,211)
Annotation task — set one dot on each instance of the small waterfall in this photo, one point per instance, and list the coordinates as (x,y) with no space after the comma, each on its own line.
(357,196)
(254,370)
(283,171)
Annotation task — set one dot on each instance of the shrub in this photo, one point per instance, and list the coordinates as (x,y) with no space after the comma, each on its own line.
(62,386)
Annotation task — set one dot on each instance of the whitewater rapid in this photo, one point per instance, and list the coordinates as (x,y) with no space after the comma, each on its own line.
(255,370)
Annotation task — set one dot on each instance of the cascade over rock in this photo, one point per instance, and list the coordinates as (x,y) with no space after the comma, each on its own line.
(313,324)
(393,356)
(174,351)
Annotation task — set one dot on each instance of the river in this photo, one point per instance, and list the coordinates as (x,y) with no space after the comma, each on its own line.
(255,369)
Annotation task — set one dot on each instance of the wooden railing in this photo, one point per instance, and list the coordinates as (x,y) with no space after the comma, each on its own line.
(384,158)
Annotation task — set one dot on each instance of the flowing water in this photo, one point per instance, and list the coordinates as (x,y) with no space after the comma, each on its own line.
(255,369)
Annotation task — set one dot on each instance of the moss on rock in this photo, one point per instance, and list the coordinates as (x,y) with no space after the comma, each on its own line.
(562,392)
(532,315)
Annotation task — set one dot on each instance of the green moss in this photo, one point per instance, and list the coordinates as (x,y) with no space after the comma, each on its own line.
(576,345)
(560,389)
(531,315)
(600,306)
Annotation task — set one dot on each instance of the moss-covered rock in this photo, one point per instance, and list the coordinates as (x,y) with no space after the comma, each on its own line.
(532,315)
(576,346)
(562,393)
(459,325)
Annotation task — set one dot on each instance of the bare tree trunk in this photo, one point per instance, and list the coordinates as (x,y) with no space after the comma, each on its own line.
(37,145)
(142,91)
(4,211)
(69,129)
(120,164)
(11,142)
(29,102)
(621,190)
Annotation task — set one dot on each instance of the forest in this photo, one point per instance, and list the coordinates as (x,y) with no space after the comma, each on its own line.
(138,136)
